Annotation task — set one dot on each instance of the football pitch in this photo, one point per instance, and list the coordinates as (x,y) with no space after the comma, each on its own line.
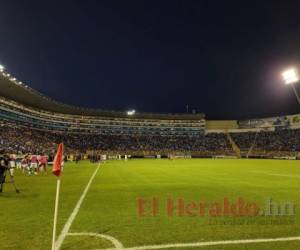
(157,204)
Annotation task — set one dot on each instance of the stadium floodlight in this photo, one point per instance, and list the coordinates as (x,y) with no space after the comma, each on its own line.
(291,77)
(1,68)
(131,112)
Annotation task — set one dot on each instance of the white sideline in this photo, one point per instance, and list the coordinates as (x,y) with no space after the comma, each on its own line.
(207,243)
(69,222)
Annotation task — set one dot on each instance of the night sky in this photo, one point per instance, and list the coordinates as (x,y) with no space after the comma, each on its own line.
(222,58)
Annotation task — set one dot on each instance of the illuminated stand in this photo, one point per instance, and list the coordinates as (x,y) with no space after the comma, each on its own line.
(290,77)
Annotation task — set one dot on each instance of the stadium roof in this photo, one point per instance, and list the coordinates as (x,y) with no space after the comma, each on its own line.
(25,95)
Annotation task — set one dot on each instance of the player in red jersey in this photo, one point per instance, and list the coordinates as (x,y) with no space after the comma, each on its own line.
(43,162)
(34,164)
(24,164)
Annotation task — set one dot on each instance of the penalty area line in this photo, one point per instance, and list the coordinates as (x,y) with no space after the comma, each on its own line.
(69,222)
(208,243)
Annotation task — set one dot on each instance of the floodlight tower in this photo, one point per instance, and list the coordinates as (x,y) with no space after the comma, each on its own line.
(290,77)
(131,112)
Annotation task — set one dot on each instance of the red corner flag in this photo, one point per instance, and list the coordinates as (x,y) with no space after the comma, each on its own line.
(58,160)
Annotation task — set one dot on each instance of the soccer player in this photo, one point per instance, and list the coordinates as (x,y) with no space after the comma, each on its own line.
(12,164)
(24,164)
(77,158)
(43,162)
(34,164)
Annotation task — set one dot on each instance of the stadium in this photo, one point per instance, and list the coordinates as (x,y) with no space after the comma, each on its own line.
(113,134)
(142,125)
(131,148)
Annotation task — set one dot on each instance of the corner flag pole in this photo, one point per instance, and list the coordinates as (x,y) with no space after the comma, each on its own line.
(55,213)
(57,163)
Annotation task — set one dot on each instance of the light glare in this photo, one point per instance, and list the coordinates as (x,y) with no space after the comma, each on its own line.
(290,76)
(131,112)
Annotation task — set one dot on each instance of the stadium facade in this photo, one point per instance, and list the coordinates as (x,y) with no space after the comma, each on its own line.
(26,107)
(24,110)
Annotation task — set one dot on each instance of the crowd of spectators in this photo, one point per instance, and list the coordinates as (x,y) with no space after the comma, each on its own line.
(23,140)
(14,139)
(20,140)
(284,141)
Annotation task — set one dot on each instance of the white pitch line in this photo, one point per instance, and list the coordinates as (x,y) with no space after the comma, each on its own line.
(286,175)
(207,243)
(118,245)
(274,174)
(69,222)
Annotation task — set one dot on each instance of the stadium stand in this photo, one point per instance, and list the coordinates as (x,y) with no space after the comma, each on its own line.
(25,140)
(33,123)
(269,143)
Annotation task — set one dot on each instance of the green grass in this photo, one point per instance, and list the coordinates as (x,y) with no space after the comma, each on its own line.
(110,206)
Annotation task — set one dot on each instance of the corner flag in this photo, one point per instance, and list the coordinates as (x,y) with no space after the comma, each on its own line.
(56,170)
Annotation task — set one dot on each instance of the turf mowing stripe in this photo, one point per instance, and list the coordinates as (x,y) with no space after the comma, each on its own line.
(207,243)
(69,222)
